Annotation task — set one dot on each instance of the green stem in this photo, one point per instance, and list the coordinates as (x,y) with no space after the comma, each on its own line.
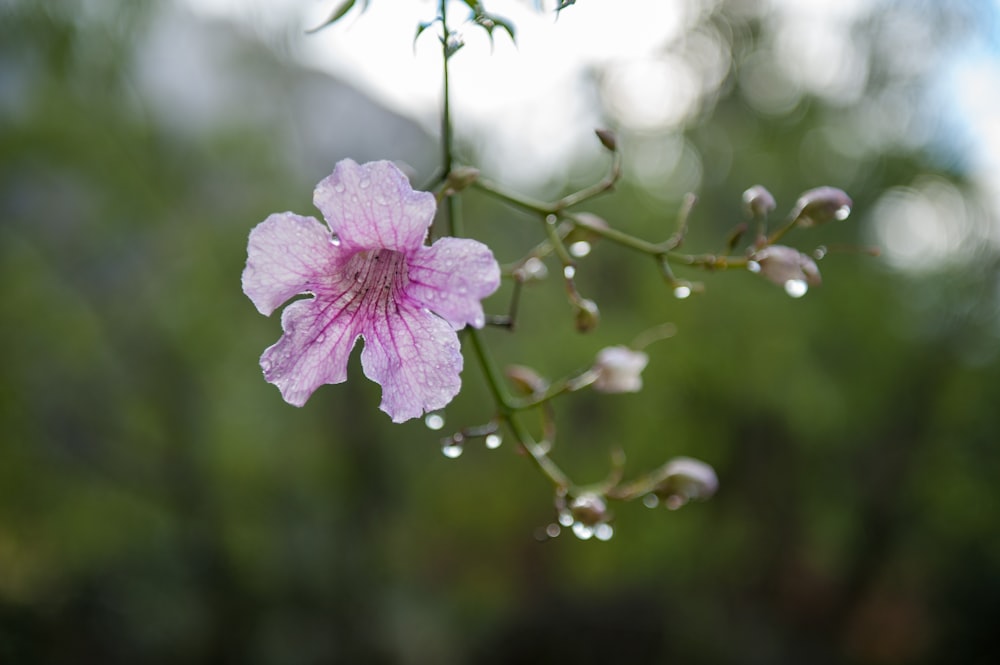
(447,135)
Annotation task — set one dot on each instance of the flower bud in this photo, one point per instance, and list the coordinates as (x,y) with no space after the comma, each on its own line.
(684,479)
(460,178)
(782,265)
(758,202)
(607,138)
(525,380)
(589,509)
(580,231)
(587,315)
(821,205)
(619,370)
(532,270)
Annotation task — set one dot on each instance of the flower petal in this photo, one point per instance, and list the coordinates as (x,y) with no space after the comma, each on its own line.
(319,336)
(286,255)
(415,357)
(451,277)
(373,206)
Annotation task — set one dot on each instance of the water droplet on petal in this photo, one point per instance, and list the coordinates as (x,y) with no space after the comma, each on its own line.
(493,441)
(796,288)
(365,183)
(320,338)
(843,212)
(604,532)
(265,365)
(565,518)
(579,249)
(681,292)
(452,450)
(753,266)
(651,501)
(582,531)
(434,421)
(569,272)
(339,188)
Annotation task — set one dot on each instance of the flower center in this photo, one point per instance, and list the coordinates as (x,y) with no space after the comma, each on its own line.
(380,274)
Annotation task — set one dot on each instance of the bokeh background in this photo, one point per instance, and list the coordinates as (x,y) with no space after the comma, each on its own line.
(159,502)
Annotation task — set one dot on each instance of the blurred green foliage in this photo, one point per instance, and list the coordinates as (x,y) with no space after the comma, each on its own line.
(160,503)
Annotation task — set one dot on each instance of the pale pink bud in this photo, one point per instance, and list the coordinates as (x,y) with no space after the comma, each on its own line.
(758,202)
(587,316)
(821,205)
(607,138)
(589,509)
(619,370)
(787,267)
(460,178)
(684,479)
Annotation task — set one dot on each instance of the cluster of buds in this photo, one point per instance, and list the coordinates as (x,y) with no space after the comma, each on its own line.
(786,266)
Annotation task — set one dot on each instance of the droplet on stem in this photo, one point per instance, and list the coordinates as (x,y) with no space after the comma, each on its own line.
(493,441)
(582,531)
(434,421)
(579,249)
(452,450)
(682,291)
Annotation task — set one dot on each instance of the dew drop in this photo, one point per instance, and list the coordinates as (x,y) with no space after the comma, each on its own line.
(753,266)
(566,519)
(569,272)
(843,212)
(651,501)
(434,421)
(580,249)
(582,531)
(266,365)
(552,530)
(604,532)
(452,450)
(493,441)
(339,188)
(365,183)
(796,288)
(681,292)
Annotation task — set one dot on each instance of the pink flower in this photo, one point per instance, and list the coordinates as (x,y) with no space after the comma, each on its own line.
(372,277)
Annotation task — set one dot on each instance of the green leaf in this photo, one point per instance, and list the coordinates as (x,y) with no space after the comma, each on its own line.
(490,22)
(338,14)
(420,30)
